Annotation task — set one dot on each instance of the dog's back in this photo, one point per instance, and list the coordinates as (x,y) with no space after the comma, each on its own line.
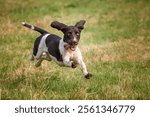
(51,42)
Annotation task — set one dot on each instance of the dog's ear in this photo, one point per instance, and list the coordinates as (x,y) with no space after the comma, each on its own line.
(59,26)
(80,25)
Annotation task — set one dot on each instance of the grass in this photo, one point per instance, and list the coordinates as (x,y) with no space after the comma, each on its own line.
(115,45)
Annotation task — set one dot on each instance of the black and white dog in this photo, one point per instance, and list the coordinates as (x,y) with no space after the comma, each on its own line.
(64,51)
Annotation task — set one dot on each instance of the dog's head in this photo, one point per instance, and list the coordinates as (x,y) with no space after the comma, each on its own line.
(71,33)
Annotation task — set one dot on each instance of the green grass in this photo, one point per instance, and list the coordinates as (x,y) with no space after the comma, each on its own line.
(115,45)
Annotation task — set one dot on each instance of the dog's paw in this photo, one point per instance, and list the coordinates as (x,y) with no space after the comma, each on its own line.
(74,65)
(37,65)
(87,76)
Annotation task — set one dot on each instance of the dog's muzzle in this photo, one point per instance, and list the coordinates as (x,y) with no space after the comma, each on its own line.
(71,46)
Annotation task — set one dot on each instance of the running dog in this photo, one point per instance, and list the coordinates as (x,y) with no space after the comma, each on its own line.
(64,51)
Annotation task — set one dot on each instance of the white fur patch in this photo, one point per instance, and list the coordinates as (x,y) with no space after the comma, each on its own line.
(23,23)
(75,39)
(42,47)
(32,27)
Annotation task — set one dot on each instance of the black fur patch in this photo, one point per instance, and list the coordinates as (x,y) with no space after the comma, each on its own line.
(52,43)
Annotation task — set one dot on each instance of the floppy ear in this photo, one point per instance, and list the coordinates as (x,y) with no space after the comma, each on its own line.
(80,25)
(59,26)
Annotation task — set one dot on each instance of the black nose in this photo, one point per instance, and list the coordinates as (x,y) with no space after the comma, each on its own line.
(74,42)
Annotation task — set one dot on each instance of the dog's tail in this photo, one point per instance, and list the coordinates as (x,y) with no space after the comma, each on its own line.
(34,28)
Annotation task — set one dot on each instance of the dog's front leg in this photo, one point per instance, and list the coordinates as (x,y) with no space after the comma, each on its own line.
(66,60)
(84,69)
(80,61)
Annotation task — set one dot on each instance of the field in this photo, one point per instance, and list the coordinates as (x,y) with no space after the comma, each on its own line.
(115,45)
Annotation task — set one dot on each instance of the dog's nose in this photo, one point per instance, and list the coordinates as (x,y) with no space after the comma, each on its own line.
(74,42)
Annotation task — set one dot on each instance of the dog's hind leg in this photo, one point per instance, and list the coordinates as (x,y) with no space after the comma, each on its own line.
(39,59)
(38,63)
(45,56)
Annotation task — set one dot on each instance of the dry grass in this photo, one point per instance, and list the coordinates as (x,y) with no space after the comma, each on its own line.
(130,50)
(7,27)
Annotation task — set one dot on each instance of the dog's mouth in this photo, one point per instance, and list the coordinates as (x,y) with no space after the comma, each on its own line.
(70,46)
(73,47)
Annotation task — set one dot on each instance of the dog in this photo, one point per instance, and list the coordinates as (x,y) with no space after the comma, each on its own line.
(64,51)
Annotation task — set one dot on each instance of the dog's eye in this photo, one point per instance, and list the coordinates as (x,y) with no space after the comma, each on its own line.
(69,33)
(77,34)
